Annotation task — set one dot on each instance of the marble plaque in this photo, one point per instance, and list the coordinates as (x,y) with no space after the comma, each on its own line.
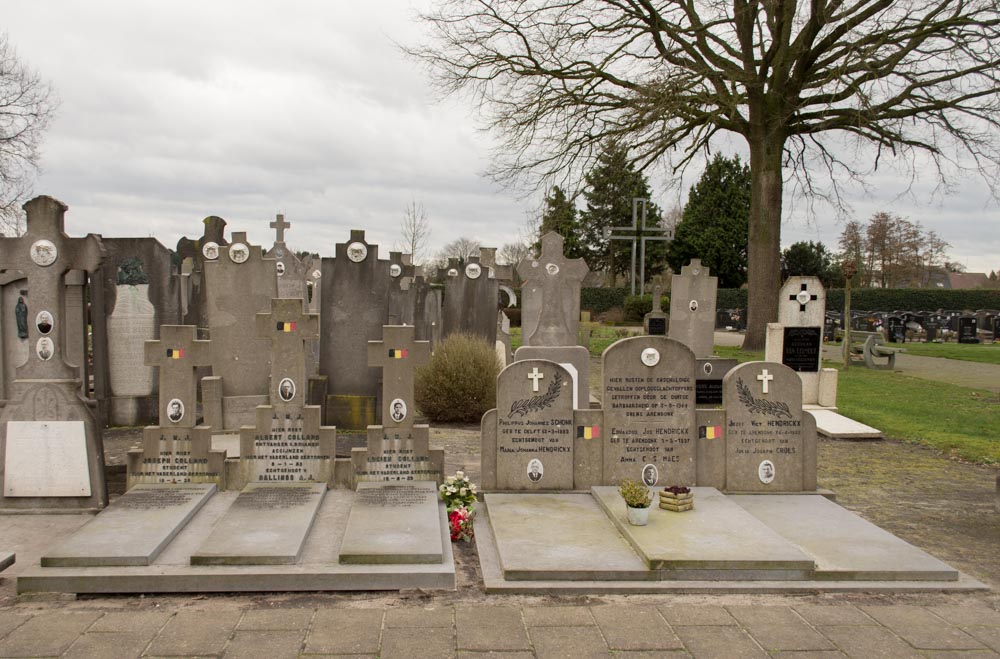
(286,452)
(46,459)
(129,327)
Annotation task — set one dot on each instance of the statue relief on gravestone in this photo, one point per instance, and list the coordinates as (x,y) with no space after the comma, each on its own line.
(21,316)
(130,325)
(551,295)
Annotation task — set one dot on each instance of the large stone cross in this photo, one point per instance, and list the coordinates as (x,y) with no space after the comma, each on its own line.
(279,226)
(177,353)
(289,325)
(45,254)
(398,354)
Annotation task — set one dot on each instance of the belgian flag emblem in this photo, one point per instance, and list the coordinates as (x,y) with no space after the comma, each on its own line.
(175,353)
(286,327)
(588,432)
(397,353)
(710,432)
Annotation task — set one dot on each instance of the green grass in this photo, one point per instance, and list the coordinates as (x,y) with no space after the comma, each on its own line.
(986,353)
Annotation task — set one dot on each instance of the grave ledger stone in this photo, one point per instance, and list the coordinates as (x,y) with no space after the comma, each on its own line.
(51,453)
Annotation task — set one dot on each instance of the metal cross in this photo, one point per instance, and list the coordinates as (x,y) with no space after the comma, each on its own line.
(639,235)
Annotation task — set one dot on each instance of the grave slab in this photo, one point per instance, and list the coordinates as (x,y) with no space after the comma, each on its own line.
(588,547)
(844,545)
(266,525)
(838,426)
(6,560)
(715,540)
(393,523)
(134,529)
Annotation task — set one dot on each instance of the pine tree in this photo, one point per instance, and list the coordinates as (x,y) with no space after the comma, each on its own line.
(714,225)
(560,216)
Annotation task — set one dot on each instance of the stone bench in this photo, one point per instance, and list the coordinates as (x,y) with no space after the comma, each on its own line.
(872,347)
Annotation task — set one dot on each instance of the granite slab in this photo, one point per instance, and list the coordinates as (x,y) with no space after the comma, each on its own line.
(393,523)
(831,424)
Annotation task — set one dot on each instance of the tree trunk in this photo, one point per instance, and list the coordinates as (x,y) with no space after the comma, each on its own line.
(764,241)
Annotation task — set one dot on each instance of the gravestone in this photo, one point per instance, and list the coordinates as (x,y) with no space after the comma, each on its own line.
(287,444)
(402,293)
(503,345)
(178,450)
(527,441)
(241,283)
(291,272)
(709,374)
(654,323)
(968,330)
(470,301)
(51,453)
(427,313)
(551,295)
(130,325)
(649,411)
(354,308)
(204,249)
(692,308)
(796,340)
(770,441)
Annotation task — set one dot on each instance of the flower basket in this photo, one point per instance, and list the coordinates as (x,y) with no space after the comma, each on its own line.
(676,499)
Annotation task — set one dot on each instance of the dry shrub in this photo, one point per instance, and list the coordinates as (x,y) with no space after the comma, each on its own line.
(460,382)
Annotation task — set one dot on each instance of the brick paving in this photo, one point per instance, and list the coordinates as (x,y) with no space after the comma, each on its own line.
(508,631)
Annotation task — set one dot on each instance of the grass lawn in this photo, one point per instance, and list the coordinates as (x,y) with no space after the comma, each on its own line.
(987,353)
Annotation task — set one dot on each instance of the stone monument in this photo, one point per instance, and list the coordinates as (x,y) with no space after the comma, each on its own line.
(654,323)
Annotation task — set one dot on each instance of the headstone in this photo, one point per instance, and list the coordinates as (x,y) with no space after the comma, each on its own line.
(968,330)
(709,374)
(470,302)
(655,322)
(50,444)
(130,325)
(290,271)
(178,450)
(770,441)
(692,308)
(402,293)
(649,411)
(241,283)
(208,248)
(528,440)
(551,295)
(797,339)
(503,345)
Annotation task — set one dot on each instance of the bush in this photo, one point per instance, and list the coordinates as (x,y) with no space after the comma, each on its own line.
(637,306)
(596,300)
(460,382)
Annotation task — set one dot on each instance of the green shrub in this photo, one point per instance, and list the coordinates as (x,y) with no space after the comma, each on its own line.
(597,300)
(460,382)
(637,306)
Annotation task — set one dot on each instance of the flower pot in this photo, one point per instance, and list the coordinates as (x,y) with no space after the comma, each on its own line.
(637,516)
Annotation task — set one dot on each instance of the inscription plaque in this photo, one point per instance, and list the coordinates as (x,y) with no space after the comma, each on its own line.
(800,350)
(46,459)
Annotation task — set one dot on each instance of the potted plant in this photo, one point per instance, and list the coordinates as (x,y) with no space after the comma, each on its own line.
(637,499)
(676,498)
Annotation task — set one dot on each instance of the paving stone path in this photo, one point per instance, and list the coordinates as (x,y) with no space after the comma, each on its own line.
(478,630)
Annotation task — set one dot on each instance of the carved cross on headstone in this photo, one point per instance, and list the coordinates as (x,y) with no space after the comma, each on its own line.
(803,297)
(764,378)
(177,353)
(398,354)
(535,376)
(289,326)
(279,226)
(45,254)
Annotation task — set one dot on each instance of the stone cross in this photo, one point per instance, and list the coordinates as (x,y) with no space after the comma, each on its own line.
(535,376)
(177,353)
(279,226)
(398,354)
(555,279)
(803,297)
(657,292)
(45,254)
(764,378)
(288,325)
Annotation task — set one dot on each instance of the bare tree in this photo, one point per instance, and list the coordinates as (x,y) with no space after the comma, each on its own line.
(415,232)
(803,83)
(461,248)
(511,254)
(27,105)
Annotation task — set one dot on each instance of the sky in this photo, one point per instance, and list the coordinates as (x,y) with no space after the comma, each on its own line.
(171,112)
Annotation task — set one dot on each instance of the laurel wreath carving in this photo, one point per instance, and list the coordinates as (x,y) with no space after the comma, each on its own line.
(759,405)
(540,402)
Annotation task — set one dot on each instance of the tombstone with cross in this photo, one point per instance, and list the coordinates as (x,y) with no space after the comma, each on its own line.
(692,308)
(199,251)
(470,300)
(551,295)
(770,442)
(655,322)
(50,444)
(241,284)
(178,449)
(287,444)
(397,450)
(796,340)
(291,272)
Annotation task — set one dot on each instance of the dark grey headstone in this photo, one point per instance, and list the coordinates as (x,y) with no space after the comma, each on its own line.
(692,308)
(551,295)
(470,302)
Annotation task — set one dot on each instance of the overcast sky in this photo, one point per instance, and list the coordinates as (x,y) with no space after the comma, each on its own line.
(173,111)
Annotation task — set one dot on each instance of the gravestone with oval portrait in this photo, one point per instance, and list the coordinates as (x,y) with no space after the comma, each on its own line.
(770,440)
(551,295)
(290,271)
(649,412)
(287,443)
(796,340)
(692,308)
(50,443)
(402,292)
(241,284)
(199,251)
(470,300)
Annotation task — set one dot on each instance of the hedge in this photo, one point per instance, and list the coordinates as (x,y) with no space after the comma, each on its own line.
(597,300)
(637,306)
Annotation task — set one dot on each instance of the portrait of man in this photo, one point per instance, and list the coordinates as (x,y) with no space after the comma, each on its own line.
(286,389)
(44,348)
(535,470)
(766,471)
(280,267)
(175,410)
(650,475)
(397,410)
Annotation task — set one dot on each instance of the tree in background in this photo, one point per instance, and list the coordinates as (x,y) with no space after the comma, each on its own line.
(415,232)
(512,254)
(27,105)
(798,81)
(611,185)
(560,216)
(811,259)
(893,252)
(713,226)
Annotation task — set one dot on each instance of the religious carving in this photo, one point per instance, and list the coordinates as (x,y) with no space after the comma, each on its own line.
(21,316)
(130,273)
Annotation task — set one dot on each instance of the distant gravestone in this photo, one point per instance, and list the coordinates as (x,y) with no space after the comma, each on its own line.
(200,251)
(470,301)
(649,411)
(709,374)
(290,271)
(241,283)
(797,339)
(50,446)
(551,295)
(130,325)
(402,292)
(529,438)
(770,441)
(655,322)
(692,308)
(968,329)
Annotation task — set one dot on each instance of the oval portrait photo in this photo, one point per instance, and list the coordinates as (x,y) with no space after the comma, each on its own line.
(210,250)
(44,348)
(43,321)
(175,410)
(286,389)
(766,471)
(650,474)
(535,470)
(280,267)
(397,410)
